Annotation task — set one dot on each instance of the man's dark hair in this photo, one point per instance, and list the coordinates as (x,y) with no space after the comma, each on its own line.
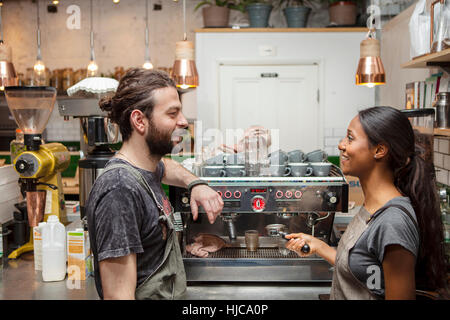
(135,91)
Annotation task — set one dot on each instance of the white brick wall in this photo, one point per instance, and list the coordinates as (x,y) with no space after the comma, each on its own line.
(442,159)
(332,137)
(59,130)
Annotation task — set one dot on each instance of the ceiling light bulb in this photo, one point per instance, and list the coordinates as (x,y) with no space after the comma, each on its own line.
(92,69)
(39,67)
(55,2)
(116,1)
(147,65)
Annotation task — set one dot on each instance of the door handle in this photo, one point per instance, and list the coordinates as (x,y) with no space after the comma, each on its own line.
(269,75)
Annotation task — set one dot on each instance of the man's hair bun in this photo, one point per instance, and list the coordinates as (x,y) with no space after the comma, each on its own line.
(106,104)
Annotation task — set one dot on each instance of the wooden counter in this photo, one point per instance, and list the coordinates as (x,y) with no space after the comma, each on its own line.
(231,30)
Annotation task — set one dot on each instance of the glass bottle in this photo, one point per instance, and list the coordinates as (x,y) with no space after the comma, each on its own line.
(17,146)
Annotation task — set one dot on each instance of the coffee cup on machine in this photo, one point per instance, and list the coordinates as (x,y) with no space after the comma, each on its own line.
(321,169)
(316,156)
(216,160)
(279,170)
(235,159)
(296,156)
(300,169)
(235,170)
(278,157)
(214,171)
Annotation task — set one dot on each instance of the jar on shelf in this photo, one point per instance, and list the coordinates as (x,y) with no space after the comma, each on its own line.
(67,79)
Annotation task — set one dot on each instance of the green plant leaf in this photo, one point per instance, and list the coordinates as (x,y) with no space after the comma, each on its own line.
(201,4)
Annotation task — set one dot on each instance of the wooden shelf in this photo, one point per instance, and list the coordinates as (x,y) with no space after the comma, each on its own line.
(441,58)
(442,132)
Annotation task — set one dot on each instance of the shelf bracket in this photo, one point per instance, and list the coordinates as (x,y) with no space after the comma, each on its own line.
(443,65)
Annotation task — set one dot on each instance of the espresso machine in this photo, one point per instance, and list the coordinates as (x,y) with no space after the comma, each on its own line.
(96,130)
(268,205)
(40,166)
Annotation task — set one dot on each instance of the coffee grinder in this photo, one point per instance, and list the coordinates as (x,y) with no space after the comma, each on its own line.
(40,166)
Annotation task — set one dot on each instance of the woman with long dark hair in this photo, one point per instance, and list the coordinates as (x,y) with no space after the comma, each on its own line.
(395,242)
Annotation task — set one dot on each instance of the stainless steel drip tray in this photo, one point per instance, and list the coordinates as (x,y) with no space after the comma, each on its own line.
(264,265)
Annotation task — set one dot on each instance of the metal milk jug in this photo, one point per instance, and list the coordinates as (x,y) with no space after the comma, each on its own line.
(442,106)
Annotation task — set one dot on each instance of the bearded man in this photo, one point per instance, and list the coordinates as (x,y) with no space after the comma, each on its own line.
(130,219)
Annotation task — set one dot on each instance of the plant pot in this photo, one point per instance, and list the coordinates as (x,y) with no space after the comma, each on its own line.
(296,17)
(343,13)
(258,14)
(215,17)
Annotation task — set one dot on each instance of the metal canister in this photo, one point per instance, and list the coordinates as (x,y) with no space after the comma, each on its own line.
(443,110)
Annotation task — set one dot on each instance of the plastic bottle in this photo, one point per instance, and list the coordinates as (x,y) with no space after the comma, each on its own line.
(53,250)
(37,243)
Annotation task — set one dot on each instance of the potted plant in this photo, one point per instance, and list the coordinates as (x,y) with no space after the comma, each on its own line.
(342,12)
(295,11)
(258,12)
(216,13)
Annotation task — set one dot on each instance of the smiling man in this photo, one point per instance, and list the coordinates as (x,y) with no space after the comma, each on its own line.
(130,219)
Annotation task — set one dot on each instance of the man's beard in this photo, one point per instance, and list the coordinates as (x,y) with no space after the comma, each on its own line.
(158,142)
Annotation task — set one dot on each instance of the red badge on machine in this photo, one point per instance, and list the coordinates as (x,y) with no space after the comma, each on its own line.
(167,206)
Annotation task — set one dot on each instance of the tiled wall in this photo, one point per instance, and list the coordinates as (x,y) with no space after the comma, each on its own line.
(59,130)
(442,159)
(332,138)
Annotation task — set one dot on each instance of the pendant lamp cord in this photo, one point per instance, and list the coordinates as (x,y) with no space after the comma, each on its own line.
(39,57)
(147,51)
(1,26)
(92,36)
(184,20)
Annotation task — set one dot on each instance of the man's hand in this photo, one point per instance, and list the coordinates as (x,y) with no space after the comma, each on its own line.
(211,201)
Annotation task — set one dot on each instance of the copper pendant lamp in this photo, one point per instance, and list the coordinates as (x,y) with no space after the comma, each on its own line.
(8,76)
(370,71)
(184,71)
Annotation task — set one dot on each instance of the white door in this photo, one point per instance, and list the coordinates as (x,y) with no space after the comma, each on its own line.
(283,97)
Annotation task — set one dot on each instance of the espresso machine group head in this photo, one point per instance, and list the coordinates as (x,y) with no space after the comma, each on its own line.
(40,166)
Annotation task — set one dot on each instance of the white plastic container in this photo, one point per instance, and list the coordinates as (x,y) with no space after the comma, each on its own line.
(37,243)
(53,250)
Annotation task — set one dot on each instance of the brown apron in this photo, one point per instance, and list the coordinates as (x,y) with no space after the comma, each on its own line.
(168,281)
(345,285)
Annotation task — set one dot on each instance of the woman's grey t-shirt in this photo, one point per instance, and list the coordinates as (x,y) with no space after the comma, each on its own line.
(387,227)
(123,219)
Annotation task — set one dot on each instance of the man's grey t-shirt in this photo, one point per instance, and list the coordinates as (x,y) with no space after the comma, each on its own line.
(389,227)
(123,219)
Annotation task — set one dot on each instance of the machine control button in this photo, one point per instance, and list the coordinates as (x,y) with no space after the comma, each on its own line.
(227,194)
(22,166)
(237,194)
(220,193)
(279,194)
(258,204)
(298,194)
(185,200)
(331,197)
(288,194)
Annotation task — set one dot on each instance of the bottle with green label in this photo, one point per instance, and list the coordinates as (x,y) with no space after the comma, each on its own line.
(17,146)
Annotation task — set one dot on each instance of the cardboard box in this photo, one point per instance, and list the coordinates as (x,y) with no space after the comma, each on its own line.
(355,192)
(79,258)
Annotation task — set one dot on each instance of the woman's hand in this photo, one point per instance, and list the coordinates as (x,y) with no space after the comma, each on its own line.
(298,240)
